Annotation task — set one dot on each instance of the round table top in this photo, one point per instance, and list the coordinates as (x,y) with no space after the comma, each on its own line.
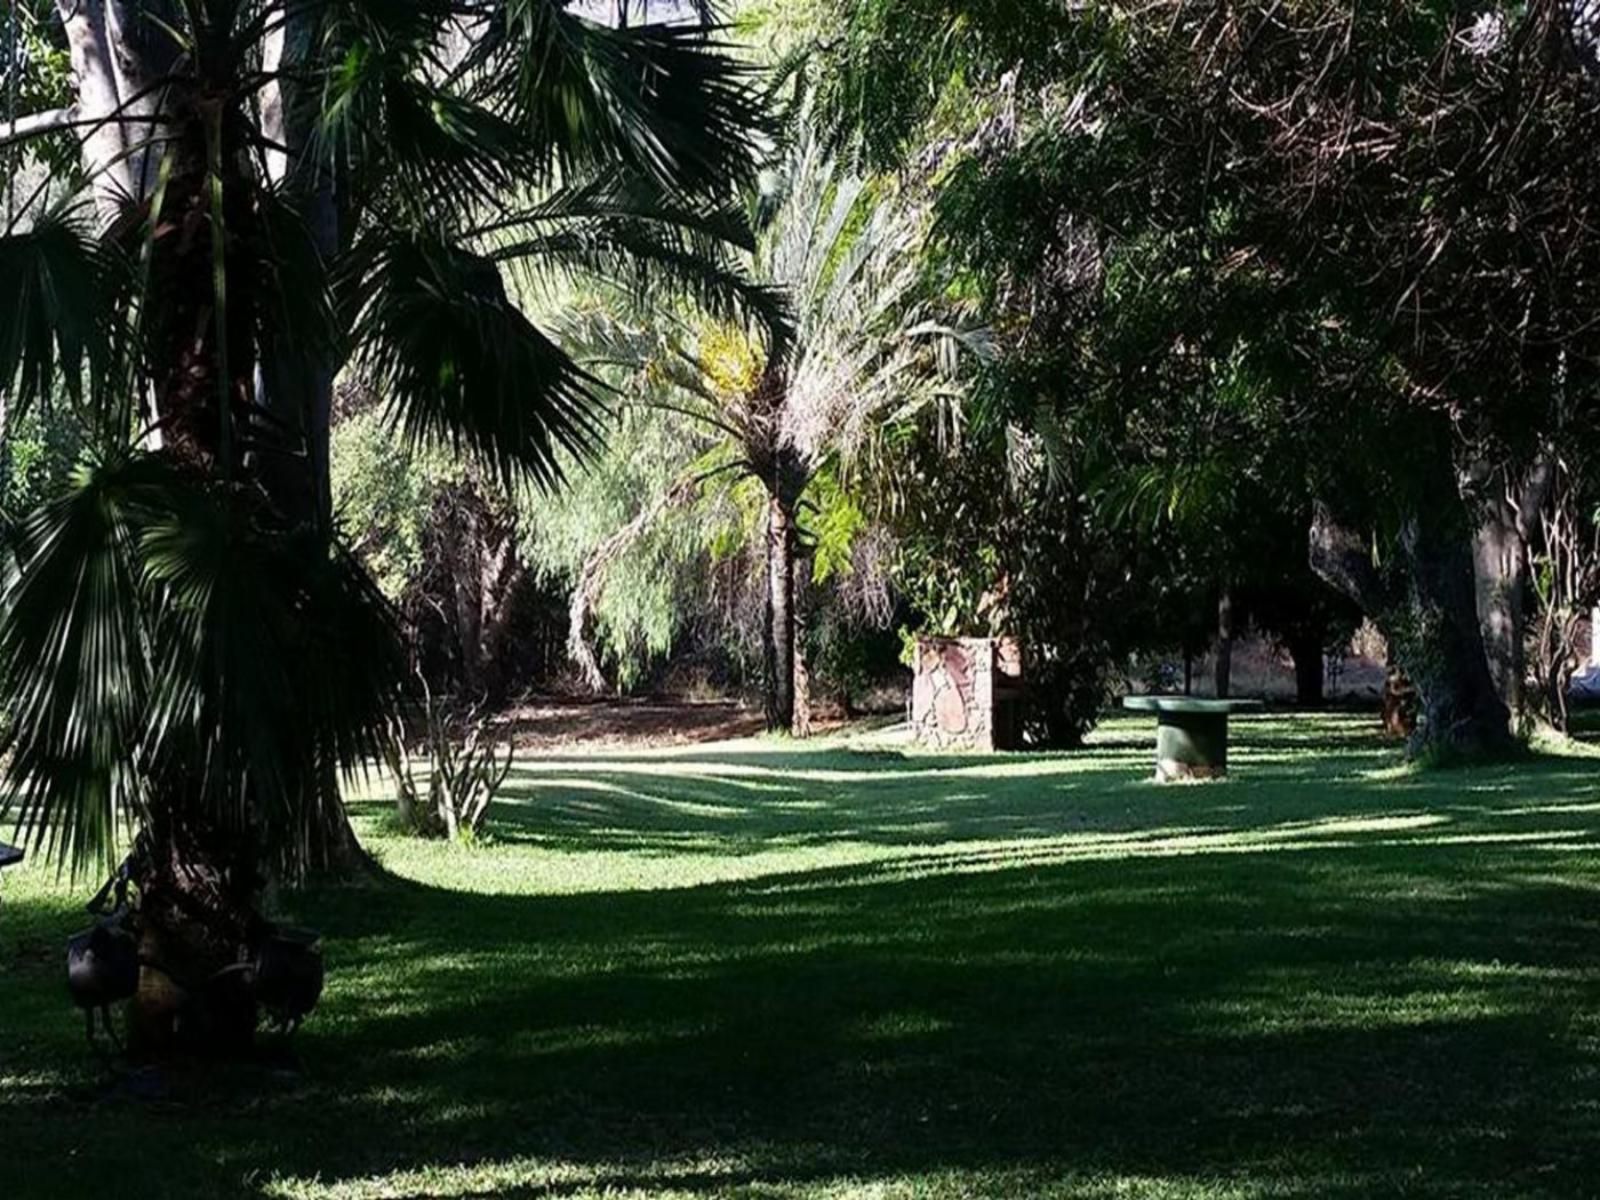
(1199,706)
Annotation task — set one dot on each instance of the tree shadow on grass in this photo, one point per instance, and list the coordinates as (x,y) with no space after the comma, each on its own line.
(721,801)
(1349,1021)
(1313,979)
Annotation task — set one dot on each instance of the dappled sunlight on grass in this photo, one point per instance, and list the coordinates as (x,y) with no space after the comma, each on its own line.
(842,968)
(694,816)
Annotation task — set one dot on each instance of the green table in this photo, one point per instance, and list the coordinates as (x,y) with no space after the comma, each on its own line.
(1191,734)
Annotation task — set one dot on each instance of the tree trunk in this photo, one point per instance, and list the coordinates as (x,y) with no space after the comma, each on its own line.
(198,900)
(1507,509)
(294,386)
(1500,578)
(104,143)
(142,53)
(119,52)
(1305,648)
(1398,704)
(800,726)
(1441,648)
(780,613)
(503,573)
(297,390)
(1423,600)
(469,594)
(1225,633)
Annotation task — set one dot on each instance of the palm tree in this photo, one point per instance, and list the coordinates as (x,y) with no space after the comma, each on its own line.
(778,402)
(277,189)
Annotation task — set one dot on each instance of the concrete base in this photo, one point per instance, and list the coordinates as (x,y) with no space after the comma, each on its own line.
(1191,734)
(1191,745)
(1170,771)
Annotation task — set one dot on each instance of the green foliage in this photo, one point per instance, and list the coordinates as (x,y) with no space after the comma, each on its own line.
(59,321)
(457,361)
(836,520)
(677,572)
(35,76)
(37,454)
(764,414)
(1224,283)
(383,495)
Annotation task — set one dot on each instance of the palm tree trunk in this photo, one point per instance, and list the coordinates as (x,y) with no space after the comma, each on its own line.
(198,900)
(198,891)
(780,613)
(800,725)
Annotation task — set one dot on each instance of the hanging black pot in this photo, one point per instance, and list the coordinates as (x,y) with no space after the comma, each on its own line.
(102,964)
(288,974)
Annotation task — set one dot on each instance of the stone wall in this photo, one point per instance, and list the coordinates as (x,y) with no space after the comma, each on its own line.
(966,694)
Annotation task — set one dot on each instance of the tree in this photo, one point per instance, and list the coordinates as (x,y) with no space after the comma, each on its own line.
(441,539)
(1364,230)
(1564,565)
(187,649)
(843,253)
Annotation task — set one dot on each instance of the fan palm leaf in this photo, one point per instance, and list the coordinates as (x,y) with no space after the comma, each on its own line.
(163,645)
(662,99)
(458,362)
(72,663)
(57,320)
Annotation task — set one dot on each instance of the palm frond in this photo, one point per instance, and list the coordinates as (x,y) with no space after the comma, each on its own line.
(460,365)
(56,315)
(423,145)
(662,99)
(653,261)
(73,674)
(617,194)
(277,665)
(164,646)
(407,27)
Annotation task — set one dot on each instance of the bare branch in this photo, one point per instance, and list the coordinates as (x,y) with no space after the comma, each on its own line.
(39,124)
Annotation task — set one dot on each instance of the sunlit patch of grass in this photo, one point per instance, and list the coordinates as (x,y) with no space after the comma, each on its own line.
(770,969)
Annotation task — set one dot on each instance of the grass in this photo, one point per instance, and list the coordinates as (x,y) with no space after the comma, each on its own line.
(767,970)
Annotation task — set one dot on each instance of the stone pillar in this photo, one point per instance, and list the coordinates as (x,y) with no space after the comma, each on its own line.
(966,693)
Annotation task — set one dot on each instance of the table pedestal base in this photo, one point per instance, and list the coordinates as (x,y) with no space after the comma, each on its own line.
(1191,745)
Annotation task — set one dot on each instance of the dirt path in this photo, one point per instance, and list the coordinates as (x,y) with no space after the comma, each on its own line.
(549,722)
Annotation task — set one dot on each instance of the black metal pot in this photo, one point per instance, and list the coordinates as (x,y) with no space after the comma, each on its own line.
(102,965)
(289,973)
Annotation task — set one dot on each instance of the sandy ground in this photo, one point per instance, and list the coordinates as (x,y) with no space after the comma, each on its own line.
(547,722)
(551,721)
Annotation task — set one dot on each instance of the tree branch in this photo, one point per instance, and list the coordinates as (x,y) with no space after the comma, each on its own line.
(38,124)
(1340,557)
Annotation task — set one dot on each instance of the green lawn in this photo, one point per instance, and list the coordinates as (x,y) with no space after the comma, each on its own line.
(767,970)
